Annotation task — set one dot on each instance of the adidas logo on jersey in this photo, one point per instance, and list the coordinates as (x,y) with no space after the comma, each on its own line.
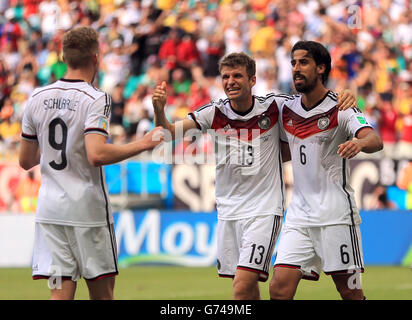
(290,123)
(227,127)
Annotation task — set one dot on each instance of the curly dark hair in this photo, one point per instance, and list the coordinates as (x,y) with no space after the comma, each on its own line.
(319,53)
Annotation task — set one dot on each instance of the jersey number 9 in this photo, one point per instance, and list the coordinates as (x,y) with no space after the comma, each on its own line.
(61,146)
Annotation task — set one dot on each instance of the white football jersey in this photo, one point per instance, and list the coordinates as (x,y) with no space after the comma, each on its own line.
(321,191)
(58,116)
(249,179)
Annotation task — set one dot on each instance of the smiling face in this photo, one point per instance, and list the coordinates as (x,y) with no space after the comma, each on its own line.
(306,74)
(236,83)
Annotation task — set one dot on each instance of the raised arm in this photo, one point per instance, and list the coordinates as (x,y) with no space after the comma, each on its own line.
(159,102)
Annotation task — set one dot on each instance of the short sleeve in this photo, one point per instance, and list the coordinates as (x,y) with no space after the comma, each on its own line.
(353,121)
(203,117)
(280,100)
(98,117)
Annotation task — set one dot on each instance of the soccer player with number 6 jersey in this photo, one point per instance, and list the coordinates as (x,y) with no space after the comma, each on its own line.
(249,183)
(65,129)
(321,230)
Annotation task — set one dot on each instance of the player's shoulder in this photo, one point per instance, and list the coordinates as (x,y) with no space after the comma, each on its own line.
(219,102)
(289,99)
(87,91)
(332,95)
(96,93)
(44,88)
(207,107)
(214,104)
(279,98)
(352,112)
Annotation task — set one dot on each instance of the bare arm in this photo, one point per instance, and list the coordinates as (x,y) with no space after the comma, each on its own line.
(159,102)
(367,140)
(29,155)
(285,151)
(99,152)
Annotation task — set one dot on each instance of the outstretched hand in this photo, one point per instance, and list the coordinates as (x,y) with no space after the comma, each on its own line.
(159,96)
(154,137)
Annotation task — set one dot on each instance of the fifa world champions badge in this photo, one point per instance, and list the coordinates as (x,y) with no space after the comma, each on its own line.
(323,123)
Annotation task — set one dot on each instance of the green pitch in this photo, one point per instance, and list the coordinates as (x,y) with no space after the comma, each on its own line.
(178,283)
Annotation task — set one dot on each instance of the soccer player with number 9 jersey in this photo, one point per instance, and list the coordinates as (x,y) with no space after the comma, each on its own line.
(65,129)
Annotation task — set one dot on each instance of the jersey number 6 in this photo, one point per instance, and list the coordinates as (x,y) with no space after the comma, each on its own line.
(302,154)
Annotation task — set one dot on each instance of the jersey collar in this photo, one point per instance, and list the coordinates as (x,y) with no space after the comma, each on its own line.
(72,80)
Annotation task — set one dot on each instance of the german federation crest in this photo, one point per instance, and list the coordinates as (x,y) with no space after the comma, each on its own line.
(323,123)
(264,122)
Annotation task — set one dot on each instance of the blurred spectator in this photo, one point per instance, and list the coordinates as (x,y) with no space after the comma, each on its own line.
(115,66)
(134,110)
(180,82)
(387,125)
(118,104)
(187,53)
(404,146)
(117,133)
(57,69)
(144,125)
(49,12)
(263,39)
(28,61)
(11,56)
(214,52)
(145,42)
(380,199)
(404,182)
(373,116)
(10,32)
(4,88)
(9,130)
(284,73)
(403,105)
(198,96)
(26,193)
(168,50)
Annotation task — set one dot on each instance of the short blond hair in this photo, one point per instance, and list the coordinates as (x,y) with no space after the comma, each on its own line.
(79,46)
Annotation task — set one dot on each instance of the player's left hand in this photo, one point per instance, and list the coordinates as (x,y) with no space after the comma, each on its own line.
(346,100)
(349,149)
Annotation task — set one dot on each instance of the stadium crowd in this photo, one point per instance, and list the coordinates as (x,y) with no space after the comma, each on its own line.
(146,41)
